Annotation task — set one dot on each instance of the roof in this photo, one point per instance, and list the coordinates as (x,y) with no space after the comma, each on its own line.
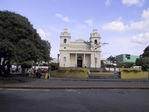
(79,40)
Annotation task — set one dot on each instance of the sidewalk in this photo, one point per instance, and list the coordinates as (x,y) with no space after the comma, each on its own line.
(54,83)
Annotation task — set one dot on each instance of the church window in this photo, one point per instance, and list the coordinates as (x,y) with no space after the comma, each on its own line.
(128,56)
(95,42)
(65,40)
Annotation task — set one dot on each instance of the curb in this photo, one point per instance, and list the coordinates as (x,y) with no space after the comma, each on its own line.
(100,80)
(74,87)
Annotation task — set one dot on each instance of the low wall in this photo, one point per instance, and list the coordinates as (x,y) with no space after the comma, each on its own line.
(134,74)
(78,73)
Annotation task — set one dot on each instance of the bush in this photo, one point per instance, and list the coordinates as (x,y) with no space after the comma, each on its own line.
(126,65)
(54,66)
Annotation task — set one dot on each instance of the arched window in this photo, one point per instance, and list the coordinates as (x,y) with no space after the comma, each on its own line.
(65,40)
(95,42)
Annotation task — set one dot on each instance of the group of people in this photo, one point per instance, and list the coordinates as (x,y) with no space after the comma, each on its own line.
(39,73)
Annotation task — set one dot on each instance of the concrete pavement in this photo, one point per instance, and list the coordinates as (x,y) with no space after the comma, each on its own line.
(53,83)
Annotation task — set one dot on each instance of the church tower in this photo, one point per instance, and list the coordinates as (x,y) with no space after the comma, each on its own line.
(95,40)
(95,48)
(65,38)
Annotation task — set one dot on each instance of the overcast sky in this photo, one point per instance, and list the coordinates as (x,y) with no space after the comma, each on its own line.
(124,24)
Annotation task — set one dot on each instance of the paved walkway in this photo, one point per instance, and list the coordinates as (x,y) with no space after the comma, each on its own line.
(54,83)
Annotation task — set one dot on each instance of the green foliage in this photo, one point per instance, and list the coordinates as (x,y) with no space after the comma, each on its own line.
(146,52)
(144,60)
(139,62)
(6,48)
(54,66)
(111,59)
(19,41)
(126,64)
(26,64)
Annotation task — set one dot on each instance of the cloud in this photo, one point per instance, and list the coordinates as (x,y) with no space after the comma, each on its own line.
(42,34)
(142,24)
(141,38)
(59,15)
(120,45)
(132,2)
(62,17)
(145,14)
(108,3)
(89,22)
(117,26)
(134,36)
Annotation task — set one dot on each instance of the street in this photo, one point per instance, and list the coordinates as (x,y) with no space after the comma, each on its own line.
(74,100)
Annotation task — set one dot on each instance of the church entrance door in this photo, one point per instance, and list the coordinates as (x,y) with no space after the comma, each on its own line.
(79,61)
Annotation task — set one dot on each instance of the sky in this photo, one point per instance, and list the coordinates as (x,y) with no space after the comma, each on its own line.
(123,24)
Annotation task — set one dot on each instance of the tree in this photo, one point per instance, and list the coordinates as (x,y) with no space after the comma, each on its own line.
(112,59)
(146,52)
(139,61)
(6,52)
(128,64)
(144,59)
(19,42)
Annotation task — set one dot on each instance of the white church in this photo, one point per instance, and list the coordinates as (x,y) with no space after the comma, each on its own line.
(80,53)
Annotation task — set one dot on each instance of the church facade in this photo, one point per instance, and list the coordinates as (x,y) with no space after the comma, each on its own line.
(80,53)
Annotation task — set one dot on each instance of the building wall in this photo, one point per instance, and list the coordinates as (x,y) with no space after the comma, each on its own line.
(88,60)
(69,49)
(72,60)
(126,58)
(132,58)
(64,59)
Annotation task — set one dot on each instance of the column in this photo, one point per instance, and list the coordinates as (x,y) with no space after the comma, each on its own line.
(76,60)
(68,60)
(92,60)
(84,62)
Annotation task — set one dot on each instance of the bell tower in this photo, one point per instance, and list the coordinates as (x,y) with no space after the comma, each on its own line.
(65,38)
(64,58)
(96,49)
(95,40)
